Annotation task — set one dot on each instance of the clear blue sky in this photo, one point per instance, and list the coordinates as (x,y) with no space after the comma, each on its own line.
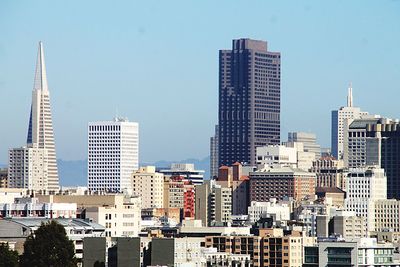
(157,63)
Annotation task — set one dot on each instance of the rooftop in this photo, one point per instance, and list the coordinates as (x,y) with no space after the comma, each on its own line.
(71,223)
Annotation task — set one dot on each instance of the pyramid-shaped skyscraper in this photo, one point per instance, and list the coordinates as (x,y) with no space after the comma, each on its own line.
(40,131)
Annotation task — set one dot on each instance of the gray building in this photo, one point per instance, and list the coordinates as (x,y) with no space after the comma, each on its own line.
(355,141)
(213,204)
(116,252)
(349,253)
(185,251)
(309,141)
(214,154)
(249,100)
(346,225)
(94,251)
(126,252)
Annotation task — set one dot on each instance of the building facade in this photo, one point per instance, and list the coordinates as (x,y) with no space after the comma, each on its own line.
(149,185)
(270,248)
(214,154)
(353,252)
(355,144)
(185,170)
(330,172)
(179,193)
(40,130)
(383,149)
(387,215)
(339,123)
(364,186)
(186,251)
(309,141)
(120,214)
(28,168)
(3,178)
(281,183)
(113,154)
(278,155)
(259,209)
(120,220)
(31,207)
(249,100)
(213,204)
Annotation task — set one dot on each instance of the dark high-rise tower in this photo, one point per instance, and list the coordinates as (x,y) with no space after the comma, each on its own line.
(383,149)
(249,100)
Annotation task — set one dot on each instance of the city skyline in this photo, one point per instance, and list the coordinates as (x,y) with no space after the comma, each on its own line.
(188,133)
(109,81)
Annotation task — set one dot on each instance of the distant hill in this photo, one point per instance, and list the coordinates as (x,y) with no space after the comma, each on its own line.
(74,172)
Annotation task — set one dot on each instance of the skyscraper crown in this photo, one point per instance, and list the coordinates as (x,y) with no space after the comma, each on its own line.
(40,82)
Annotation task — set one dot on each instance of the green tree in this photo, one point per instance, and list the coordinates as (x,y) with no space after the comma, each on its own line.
(48,246)
(8,257)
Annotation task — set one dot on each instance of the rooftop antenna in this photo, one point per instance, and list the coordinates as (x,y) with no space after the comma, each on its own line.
(350,95)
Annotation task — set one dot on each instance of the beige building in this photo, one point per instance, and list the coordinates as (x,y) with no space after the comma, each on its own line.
(3,178)
(213,203)
(119,214)
(349,226)
(149,185)
(237,244)
(330,172)
(179,193)
(236,178)
(333,195)
(284,250)
(270,248)
(387,215)
(8,195)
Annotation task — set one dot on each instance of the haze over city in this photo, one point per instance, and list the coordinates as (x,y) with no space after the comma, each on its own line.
(157,64)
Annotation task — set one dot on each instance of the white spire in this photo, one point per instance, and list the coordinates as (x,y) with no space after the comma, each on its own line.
(40,82)
(350,96)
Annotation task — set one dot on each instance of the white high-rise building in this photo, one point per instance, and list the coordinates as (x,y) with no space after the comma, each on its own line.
(339,122)
(113,154)
(365,186)
(37,161)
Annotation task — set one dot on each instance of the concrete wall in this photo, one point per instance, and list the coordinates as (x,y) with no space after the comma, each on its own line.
(162,251)
(94,250)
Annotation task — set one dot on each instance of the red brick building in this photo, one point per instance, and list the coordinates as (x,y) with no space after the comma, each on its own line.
(179,193)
